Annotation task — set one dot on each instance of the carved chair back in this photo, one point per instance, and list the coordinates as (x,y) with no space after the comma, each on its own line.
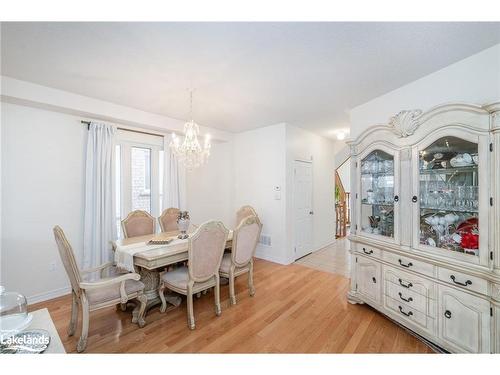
(68,259)
(245,239)
(205,251)
(168,219)
(243,212)
(138,223)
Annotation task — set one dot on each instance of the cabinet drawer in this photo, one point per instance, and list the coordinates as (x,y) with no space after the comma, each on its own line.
(463,280)
(409,314)
(464,321)
(410,282)
(412,299)
(369,250)
(406,263)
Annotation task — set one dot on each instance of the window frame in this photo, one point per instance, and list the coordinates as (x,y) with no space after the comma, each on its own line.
(127,140)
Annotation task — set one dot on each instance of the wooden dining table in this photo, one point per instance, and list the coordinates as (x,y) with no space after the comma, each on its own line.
(150,261)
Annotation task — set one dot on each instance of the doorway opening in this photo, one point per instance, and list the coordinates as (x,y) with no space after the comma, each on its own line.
(342,199)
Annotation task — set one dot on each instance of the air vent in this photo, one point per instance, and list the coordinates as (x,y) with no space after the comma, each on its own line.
(265,240)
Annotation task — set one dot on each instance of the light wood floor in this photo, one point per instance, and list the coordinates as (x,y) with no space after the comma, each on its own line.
(295,310)
(334,258)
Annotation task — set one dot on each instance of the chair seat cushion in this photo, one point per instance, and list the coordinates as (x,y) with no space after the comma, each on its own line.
(97,296)
(179,278)
(225,266)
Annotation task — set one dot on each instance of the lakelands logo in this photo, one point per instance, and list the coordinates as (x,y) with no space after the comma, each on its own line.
(26,340)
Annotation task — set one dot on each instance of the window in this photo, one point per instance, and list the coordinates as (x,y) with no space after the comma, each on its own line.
(138,174)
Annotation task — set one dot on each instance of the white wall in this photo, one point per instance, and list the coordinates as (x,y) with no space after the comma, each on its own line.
(304,145)
(210,188)
(345,175)
(475,79)
(42,185)
(259,166)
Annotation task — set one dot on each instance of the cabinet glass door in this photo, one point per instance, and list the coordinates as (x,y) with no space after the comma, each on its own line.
(377,194)
(449,195)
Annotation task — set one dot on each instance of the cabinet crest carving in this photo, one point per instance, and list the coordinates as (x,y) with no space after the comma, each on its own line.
(405,122)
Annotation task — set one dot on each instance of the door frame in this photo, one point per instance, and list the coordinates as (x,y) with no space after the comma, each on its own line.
(311,164)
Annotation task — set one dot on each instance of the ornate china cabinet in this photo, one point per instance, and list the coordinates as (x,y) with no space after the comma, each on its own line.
(425,240)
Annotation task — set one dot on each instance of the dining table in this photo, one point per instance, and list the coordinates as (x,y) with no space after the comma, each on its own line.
(150,260)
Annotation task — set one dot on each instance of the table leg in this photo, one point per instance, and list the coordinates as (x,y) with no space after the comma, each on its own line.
(151,280)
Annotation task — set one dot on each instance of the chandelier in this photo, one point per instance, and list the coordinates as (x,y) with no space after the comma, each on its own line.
(190,152)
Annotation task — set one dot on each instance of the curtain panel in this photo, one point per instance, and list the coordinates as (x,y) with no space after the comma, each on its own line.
(99,214)
(174,179)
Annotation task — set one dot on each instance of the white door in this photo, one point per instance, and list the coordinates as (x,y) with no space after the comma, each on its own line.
(303,208)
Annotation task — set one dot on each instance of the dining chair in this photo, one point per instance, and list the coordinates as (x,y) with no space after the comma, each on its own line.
(240,260)
(205,250)
(243,212)
(138,223)
(168,219)
(94,295)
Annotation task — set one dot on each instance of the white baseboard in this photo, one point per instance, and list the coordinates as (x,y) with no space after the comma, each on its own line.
(262,254)
(49,295)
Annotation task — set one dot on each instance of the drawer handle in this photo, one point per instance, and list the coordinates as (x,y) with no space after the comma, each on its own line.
(409,313)
(367,252)
(409,285)
(374,280)
(447,314)
(405,265)
(467,283)
(404,299)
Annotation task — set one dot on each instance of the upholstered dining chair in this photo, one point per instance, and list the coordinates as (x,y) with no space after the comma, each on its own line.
(94,295)
(205,250)
(240,260)
(138,223)
(243,212)
(168,219)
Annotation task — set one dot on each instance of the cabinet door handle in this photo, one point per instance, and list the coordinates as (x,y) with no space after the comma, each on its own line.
(404,299)
(467,283)
(405,265)
(396,198)
(409,313)
(367,252)
(414,199)
(447,314)
(408,286)
(374,280)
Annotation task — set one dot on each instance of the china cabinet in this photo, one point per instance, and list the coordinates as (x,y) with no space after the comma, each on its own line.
(425,242)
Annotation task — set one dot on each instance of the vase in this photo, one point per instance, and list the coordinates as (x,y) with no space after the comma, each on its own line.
(183,225)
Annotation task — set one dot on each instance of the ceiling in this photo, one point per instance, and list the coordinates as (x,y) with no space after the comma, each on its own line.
(245,75)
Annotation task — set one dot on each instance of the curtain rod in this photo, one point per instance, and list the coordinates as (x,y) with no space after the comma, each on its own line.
(128,130)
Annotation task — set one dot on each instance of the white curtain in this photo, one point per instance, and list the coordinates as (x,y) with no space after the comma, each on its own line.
(99,215)
(174,180)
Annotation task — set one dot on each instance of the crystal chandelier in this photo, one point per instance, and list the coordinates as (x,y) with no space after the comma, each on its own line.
(190,151)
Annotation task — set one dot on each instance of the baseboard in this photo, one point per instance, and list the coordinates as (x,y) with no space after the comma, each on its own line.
(261,254)
(326,244)
(48,295)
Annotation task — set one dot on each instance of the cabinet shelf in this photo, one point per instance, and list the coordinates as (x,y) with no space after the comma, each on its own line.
(377,174)
(450,209)
(467,169)
(377,204)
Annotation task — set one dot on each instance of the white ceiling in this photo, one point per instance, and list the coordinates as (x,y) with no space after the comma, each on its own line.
(245,75)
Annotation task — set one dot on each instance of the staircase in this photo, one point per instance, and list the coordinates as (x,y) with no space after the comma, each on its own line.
(342,208)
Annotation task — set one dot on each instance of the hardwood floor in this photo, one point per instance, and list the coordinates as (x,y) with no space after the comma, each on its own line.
(295,310)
